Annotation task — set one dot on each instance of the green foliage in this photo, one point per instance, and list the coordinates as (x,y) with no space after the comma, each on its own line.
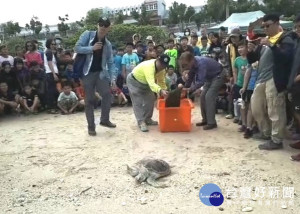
(143,18)
(62,26)
(92,16)
(119,18)
(10,28)
(13,42)
(284,7)
(177,13)
(35,25)
(189,14)
(121,34)
(200,18)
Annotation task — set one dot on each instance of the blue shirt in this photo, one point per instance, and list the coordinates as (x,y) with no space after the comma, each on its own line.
(253,78)
(197,51)
(118,64)
(130,61)
(204,69)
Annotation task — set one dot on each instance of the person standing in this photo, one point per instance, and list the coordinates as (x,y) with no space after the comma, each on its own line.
(206,72)
(98,72)
(141,85)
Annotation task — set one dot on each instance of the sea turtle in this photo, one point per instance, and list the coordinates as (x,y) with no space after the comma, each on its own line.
(149,170)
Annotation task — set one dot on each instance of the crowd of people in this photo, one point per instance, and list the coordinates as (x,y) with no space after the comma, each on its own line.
(254,78)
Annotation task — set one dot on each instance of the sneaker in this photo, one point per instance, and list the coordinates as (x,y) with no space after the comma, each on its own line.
(248,133)
(270,145)
(229,116)
(143,127)
(242,128)
(108,124)
(210,126)
(203,123)
(151,122)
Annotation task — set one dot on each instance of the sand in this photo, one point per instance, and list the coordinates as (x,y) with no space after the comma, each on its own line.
(48,164)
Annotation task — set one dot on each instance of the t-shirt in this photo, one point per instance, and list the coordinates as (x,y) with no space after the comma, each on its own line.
(141,57)
(8,97)
(29,97)
(241,65)
(49,57)
(130,61)
(33,56)
(204,50)
(97,56)
(173,54)
(265,65)
(172,78)
(118,64)
(64,97)
(253,78)
(10,78)
(145,73)
(80,91)
(9,58)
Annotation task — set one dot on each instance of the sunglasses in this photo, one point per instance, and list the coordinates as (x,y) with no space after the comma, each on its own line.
(106,25)
(28,45)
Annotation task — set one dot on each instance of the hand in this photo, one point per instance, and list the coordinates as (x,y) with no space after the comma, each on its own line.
(97,46)
(197,92)
(242,91)
(265,41)
(113,84)
(56,79)
(180,86)
(163,93)
(297,79)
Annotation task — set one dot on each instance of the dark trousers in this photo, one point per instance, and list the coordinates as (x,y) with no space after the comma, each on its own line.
(91,84)
(208,98)
(51,92)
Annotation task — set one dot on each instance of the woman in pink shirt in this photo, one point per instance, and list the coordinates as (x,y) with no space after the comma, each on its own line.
(32,54)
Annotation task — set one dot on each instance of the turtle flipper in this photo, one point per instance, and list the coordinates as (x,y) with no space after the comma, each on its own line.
(133,171)
(151,181)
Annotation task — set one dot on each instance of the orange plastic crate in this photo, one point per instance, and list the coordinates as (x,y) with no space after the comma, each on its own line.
(175,119)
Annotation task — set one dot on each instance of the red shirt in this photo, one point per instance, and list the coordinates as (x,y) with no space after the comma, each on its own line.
(80,92)
(33,56)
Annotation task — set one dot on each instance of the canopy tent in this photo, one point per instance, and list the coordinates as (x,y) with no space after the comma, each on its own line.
(243,19)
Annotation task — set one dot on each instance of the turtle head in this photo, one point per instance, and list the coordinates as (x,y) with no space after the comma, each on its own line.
(133,171)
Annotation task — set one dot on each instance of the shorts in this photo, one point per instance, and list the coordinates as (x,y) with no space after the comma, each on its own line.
(236,92)
(296,97)
(247,96)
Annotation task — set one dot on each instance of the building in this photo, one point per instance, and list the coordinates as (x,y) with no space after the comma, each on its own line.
(156,7)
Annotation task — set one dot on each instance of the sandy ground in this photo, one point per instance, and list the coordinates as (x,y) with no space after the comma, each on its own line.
(48,164)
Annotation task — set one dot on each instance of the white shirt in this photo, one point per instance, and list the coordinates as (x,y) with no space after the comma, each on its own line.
(10,59)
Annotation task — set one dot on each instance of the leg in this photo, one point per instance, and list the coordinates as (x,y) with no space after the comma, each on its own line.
(203,102)
(210,98)
(149,100)
(89,84)
(259,110)
(103,87)
(276,111)
(51,91)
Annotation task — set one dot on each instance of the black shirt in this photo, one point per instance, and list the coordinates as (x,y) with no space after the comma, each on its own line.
(10,78)
(8,97)
(29,97)
(97,56)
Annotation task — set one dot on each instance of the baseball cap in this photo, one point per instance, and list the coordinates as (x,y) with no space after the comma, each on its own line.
(234,31)
(104,22)
(164,59)
(149,38)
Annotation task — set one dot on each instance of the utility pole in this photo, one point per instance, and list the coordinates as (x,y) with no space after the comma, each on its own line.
(227,8)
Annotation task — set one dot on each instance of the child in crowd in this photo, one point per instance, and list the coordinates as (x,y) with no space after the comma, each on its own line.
(38,81)
(240,67)
(222,101)
(171,78)
(7,100)
(30,100)
(140,52)
(23,75)
(194,41)
(150,53)
(216,47)
(129,61)
(160,49)
(9,76)
(172,53)
(4,55)
(67,100)
(204,48)
(119,97)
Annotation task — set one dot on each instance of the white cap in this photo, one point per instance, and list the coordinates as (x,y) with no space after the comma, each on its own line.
(149,38)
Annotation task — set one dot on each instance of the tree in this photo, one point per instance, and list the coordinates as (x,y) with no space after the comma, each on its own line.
(92,16)
(119,18)
(180,14)
(80,23)
(285,7)
(189,14)
(10,28)
(35,25)
(143,18)
(47,29)
(200,18)
(62,26)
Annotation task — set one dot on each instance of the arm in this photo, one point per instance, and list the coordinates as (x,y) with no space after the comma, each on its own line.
(61,108)
(74,106)
(235,73)
(25,103)
(284,52)
(82,45)
(247,78)
(12,104)
(191,78)
(111,65)
(149,75)
(200,76)
(123,67)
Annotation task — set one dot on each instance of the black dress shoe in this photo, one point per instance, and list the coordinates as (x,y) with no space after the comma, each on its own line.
(108,124)
(203,123)
(210,126)
(92,133)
